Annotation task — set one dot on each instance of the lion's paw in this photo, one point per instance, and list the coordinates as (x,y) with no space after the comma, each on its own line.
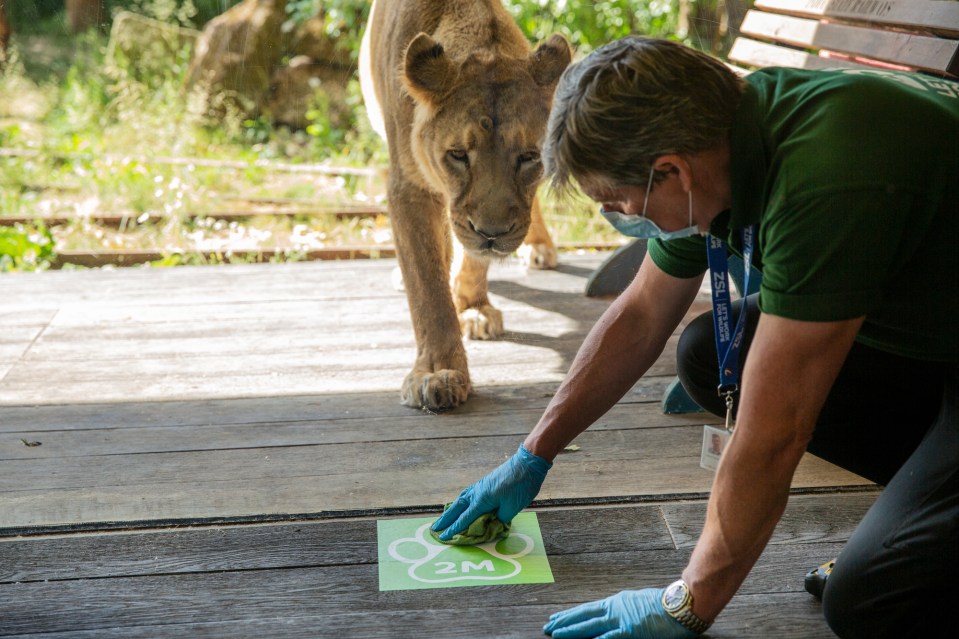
(396,280)
(538,256)
(482,322)
(439,390)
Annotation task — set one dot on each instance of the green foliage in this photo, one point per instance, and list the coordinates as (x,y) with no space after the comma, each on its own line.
(97,118)
(172,11)
(353,142)
(43,16)
(206,10)
(343,20)
(25,248)
(24,13)
(588,24)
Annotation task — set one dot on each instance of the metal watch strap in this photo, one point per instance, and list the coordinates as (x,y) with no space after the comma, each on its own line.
(691,622)
(685,615)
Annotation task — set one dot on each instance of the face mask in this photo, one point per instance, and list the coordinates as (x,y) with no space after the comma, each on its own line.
(642,227)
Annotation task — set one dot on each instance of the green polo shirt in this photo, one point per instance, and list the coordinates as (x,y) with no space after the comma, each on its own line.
(851,176)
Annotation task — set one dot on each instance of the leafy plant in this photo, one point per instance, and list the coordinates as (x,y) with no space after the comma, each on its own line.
(25,248)
(588,24)
(172,11)
(96,128)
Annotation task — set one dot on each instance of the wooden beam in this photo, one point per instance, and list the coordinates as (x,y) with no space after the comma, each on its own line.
(266,165)
(133,257)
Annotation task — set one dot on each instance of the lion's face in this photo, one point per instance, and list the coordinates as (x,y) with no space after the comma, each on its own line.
(477,134)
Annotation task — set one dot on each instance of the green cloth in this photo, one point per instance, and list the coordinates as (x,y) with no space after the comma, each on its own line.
(851,176)
(484,529)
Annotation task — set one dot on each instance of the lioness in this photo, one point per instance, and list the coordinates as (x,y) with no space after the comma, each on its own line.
(462,101)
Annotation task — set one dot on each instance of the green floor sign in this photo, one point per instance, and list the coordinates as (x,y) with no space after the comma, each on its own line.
(410,559)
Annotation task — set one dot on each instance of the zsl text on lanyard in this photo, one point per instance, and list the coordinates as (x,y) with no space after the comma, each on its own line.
(729,340)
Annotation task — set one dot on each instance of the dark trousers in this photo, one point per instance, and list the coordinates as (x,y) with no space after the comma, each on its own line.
(895,421)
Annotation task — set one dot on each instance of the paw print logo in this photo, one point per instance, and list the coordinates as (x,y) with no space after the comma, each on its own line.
(431,562)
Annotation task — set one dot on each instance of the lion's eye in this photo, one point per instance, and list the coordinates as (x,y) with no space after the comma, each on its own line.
(458,155)
(525,159)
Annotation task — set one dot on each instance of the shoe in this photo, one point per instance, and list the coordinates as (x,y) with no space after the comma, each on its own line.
(815,581)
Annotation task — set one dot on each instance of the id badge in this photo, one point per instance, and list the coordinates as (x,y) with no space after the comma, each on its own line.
(715,439)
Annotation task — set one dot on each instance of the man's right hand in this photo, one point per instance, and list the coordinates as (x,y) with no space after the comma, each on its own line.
(505,491)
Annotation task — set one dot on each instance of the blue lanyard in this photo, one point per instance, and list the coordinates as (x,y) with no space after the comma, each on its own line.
(728,341)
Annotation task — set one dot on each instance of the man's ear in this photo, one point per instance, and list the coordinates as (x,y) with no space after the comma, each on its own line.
(427,71)
(675,163)
(549,60)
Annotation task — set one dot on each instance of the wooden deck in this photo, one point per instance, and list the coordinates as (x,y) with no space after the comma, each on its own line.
(203,452)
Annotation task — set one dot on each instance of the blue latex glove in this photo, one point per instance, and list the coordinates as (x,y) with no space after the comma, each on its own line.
(631,614)
(505,491)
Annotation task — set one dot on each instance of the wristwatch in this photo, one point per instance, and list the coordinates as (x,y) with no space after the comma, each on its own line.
(678,603)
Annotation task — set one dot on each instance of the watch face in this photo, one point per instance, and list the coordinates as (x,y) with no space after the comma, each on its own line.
(675,596)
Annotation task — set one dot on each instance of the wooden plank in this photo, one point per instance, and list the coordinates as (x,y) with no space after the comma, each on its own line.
(351,371)
(220,581)
(337,543)
(932,15)
(308,543)
(136,257)
(920,52)
(363,321)
(149,160)
(342,407)
(631,453)
(130,219)
(113,439)
(205,333)
(20,332)
(78,364)
(253,594)
(285,498)
(261,254)
(292,594)
(202,285)
(809,519)
(762,54)
(203,368)
(254,483)
(339,409)
(746,617)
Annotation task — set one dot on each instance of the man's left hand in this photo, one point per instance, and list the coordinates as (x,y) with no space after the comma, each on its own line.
(631,614)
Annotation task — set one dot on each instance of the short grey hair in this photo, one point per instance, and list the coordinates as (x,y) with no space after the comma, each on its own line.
(631,101)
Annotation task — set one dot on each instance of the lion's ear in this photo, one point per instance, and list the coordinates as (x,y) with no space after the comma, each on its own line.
(549,60)
(427,70)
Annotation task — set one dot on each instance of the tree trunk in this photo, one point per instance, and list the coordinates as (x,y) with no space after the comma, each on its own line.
(84,14)
(5,32)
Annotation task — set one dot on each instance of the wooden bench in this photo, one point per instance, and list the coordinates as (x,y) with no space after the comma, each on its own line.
(908,35)
(903,35)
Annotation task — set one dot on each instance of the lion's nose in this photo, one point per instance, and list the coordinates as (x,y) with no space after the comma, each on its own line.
(491,233)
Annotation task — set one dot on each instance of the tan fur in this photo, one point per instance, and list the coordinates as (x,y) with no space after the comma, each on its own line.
(462,101)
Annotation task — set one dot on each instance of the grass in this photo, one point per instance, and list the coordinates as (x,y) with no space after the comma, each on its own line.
(86,130)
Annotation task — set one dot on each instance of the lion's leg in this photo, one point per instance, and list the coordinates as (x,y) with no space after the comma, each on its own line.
(538,250)
(440,378)
(478,318)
